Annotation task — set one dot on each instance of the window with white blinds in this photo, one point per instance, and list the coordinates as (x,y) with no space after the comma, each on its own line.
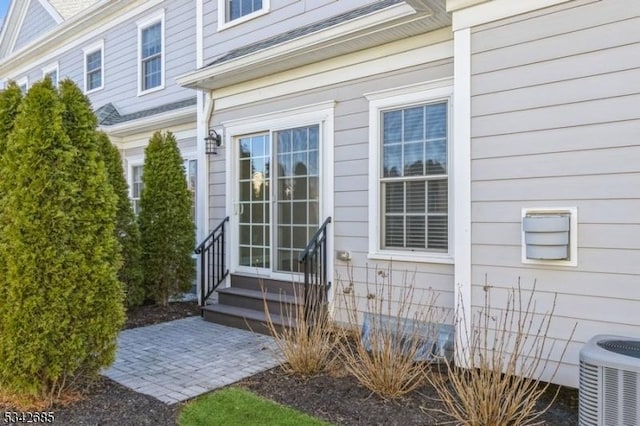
(414,181)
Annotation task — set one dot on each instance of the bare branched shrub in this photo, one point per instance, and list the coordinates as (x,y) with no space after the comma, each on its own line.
(306,340)
(506,353)
(389,357)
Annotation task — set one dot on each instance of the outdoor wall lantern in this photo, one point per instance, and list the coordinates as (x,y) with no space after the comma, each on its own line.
(212,142)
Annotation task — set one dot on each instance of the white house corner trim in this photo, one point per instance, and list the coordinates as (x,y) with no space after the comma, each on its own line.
(203,114)
(462,193)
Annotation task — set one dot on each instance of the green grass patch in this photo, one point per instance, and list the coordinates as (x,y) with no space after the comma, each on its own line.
(235,406)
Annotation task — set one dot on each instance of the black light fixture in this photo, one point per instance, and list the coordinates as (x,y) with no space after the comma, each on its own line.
(212,142)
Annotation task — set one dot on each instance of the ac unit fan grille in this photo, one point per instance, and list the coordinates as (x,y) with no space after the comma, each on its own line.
(610,382)
(622,347)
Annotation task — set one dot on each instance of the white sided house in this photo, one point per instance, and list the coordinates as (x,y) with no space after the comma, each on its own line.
(473,142)
(124,54)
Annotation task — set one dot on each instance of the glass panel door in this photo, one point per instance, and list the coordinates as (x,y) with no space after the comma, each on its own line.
(254,230)
(297,193)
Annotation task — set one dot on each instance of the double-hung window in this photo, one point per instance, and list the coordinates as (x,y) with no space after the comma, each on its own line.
(94,67)
(231,12)
(151,54)
(410,182)
(414,181)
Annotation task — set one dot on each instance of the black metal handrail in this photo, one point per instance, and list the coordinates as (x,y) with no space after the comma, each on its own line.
(313,261)
(212,261)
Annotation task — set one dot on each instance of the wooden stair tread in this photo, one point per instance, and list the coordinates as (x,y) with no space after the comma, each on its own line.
(271,296)
(249,314)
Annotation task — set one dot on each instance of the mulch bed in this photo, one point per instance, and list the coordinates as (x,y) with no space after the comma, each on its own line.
(154,314)
(338,399)
(341,400)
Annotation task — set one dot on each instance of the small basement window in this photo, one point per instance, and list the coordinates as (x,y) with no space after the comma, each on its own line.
(549,236)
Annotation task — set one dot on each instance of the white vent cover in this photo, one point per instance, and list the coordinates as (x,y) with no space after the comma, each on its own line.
(610,381)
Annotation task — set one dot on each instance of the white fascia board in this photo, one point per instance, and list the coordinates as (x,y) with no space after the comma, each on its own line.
(141,139)
(299,45)
(51,11)
(455,5)
(17,21)
(495,10)
(417,50)
(73,33)
(158,121)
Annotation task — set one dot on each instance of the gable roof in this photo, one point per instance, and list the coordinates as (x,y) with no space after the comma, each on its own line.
(58,10)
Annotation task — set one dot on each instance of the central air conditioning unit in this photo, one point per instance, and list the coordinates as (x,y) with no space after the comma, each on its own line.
(610,381)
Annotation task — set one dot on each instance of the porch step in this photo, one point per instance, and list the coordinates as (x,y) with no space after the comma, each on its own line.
(236,317)
(272,286)
(242,304)
(255,299)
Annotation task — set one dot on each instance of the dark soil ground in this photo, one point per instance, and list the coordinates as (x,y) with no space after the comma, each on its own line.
(336,398)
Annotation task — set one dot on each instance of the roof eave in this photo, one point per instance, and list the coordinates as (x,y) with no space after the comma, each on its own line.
(300,51)
(151,123)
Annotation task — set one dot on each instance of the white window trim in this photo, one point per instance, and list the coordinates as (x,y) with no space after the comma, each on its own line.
(131,163)
(87,51)
(323,114)
(406,96)
(573,235)
(23,81)
(52,67)
(142,25)
(222,14)
(187,156)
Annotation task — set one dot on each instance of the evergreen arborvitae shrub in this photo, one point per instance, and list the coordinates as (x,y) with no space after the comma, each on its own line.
(63,305)
(166,223)
(127,231)
(10,99)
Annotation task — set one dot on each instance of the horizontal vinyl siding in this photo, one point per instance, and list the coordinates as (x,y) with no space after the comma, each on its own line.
(351,178)
(120,65)
(36,22)
(121,60)
(285,15)
(555,123)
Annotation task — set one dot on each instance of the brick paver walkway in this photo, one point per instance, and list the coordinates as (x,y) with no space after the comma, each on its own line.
(180,359)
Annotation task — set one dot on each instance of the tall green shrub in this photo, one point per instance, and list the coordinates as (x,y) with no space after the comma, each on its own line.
(10,99)
(63,306)
(127,231)
(166,223)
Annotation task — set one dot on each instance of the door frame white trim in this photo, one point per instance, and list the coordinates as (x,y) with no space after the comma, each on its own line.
(320,113)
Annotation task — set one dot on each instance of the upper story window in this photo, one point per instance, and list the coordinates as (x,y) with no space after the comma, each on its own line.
(51,71)
(232,12)
(410,192)
(239,8)
(94,67)
(151,54)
